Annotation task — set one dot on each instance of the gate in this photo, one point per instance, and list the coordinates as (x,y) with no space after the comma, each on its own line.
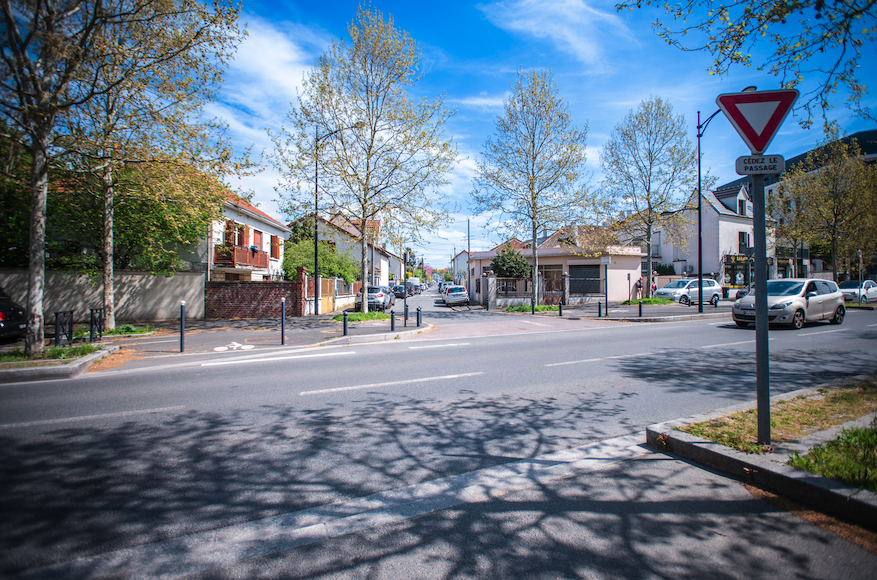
(327,295)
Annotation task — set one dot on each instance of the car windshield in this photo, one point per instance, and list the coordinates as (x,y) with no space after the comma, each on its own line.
(783,288)
(850,284)
(677,284)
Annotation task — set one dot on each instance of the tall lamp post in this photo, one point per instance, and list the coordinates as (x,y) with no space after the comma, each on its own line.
(701,127)
(317,139)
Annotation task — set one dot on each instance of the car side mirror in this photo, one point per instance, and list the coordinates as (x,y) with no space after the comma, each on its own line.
(811,294)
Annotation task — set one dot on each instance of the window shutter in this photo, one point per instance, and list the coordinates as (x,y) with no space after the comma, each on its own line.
(229,232)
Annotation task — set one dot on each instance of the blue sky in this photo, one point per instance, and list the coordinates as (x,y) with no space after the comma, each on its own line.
(605,63)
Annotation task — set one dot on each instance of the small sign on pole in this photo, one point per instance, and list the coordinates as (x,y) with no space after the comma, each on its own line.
(760,164)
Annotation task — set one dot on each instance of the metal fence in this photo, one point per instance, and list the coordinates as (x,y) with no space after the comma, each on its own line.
(513,287)
(585,286)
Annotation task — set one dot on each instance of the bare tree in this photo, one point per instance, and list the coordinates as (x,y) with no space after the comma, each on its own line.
(377,152)
(651,170)
(53,58)
(532,166)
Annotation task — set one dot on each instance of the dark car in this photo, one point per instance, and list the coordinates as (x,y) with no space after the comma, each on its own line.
(13,319)
(399,291)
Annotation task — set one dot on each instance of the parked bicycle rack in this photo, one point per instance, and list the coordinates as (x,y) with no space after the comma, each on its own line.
(64,325)
(96,324)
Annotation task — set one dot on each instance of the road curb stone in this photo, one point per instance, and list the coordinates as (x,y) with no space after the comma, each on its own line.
(54,372)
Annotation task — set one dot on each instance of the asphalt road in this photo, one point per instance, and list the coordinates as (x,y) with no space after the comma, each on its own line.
(125,458)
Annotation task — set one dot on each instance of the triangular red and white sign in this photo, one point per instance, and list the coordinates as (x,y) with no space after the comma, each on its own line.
(757,115)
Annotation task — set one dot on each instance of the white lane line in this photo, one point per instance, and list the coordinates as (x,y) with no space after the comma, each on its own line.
(575,362)
(390,384)
(252,360)
(825,332)
(870,325)
(439,345)
(534,323)
(89,417)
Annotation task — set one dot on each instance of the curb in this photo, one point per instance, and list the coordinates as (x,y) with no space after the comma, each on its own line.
(678,318)
(832,497)
(384,337)
(55,372)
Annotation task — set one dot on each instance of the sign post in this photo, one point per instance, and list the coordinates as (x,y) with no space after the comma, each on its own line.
(757,115)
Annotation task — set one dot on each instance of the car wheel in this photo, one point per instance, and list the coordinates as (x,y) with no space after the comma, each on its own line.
(838,317)
(714,300)
(683,300)
(864,299)
(798,320)
(741,324)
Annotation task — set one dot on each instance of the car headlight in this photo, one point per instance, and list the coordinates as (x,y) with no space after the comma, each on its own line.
(781,305)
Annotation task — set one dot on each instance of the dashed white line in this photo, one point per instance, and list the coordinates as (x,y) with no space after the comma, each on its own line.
(260,360)
(439,345)
(89,417)
(825,331)
(390,384)
(534,323)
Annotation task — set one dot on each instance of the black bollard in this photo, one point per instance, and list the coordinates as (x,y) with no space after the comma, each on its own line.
(406,314)
(345,323)
(392,321)
(283,321)
(560,306)
(640,309)
(599,310)
(532,306)
(182,325)
(419,315)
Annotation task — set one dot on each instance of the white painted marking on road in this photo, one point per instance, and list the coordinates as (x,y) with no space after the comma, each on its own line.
(440,345)
(825,331)
(89,417)
(390,384)
(575,362)
(252,360)
(870,325)
(535,323)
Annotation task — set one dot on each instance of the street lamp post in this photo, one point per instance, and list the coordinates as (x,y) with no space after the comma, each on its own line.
(317,139)
(701,127)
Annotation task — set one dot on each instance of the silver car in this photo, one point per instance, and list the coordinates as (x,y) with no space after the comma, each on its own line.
(456,295)
(852,291)
(684,291)
(794,301)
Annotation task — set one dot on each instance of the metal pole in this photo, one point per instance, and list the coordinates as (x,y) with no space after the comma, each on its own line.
(560,306)
(345,323)
(182,325)
(419,316)
(316,223)
(699,230)
(599,310)
(392,320)
(762,368)
(640,308)
(283,320)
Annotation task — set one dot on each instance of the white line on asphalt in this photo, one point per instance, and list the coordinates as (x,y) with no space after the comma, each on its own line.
(575,362)
(440,345)
(88,417)
(536,323)
(870,325)
(251,360)
(390,384)
(825,331)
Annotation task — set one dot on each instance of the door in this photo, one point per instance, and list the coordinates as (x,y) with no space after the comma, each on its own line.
(327,295)
(814,303)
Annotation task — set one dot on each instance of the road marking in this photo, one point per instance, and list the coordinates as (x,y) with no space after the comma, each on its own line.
(825,331)
(870,325)
(234,346)
(390,384)
(252,360)
(536,323)
(575,362)
(440,345)
(89,417)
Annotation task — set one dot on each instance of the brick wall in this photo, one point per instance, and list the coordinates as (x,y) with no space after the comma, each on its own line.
(254,299)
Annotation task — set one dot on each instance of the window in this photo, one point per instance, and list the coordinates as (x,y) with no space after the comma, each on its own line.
(230,233)
(741,206)
(275,247)
(243,235)
(257,239)
(823,287)
(743,242)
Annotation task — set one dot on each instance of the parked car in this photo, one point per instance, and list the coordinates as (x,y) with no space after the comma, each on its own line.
(852,291)
(413,288)
(13,318)
(685,291)
(456,295)
(794,301)
(399,291)
(379,298)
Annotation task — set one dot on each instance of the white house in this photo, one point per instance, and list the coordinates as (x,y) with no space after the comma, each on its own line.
(246,246)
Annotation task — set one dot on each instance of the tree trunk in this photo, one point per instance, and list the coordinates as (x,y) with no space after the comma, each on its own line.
(109,289)
(535,271)
(34,342)
(363,268)
(648,289)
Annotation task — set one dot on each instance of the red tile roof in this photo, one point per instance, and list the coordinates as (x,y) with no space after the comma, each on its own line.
(243,204)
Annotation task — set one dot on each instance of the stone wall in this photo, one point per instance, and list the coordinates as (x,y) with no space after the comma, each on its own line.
(255,299)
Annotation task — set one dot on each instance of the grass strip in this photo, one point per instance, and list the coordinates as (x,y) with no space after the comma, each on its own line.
(362,316)
(539,308)
(791,419)
(850,458)
(82,331)
(51,353)
(648,301)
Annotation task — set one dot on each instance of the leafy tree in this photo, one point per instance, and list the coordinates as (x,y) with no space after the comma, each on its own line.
(14,199)
(651,169)
(387,155)
(332,262)
(53,60)
(834,191)
(509,263)
(809,39)
(531,167)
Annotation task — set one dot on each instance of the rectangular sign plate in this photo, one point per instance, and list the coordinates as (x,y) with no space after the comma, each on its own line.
(760,165)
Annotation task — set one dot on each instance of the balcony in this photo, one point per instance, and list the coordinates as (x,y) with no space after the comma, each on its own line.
(239,256)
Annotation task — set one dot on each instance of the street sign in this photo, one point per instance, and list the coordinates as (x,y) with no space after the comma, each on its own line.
(757,115)
(763,164)
(605,259)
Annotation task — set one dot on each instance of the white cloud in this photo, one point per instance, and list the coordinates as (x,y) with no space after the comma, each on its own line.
(574,26)
(482,102)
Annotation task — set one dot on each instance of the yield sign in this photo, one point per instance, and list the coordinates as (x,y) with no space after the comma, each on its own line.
(757,114)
